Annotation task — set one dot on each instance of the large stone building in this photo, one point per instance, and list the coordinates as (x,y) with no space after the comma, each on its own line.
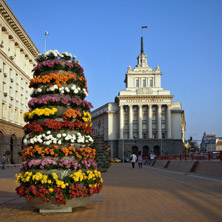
(17,59)
(143,116)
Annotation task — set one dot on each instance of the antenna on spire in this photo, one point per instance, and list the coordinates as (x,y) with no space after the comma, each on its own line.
(143,27)
(141,44)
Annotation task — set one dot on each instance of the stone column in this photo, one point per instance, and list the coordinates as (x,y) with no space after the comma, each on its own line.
(130,122)
(121,121)
(140,123)
(168,122)
(159,122)
(150,115)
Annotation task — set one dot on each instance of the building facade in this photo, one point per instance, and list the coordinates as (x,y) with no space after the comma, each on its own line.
(210,142)
(143,116)
(17,59)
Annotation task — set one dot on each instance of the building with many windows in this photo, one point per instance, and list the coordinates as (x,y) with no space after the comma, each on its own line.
(17,59)
(143,116)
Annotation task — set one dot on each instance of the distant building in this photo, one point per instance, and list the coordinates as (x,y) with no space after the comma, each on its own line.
(17,59)
(143,116)
(210,142)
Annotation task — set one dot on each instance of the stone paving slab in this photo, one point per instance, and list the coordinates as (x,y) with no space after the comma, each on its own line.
(140,195)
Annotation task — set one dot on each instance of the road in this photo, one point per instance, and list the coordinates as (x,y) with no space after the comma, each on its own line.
(147,194)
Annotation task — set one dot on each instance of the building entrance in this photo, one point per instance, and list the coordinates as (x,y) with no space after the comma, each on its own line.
(135,150)
(156,150)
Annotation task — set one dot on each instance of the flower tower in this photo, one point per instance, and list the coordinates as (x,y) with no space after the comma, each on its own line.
(59,171)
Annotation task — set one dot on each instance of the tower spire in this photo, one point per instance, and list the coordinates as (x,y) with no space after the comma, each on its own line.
(141,44)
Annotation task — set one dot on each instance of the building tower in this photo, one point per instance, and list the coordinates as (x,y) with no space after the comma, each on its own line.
(143,116)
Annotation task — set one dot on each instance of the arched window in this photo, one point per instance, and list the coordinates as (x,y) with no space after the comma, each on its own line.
(156,150)
(145,151)
(135,150)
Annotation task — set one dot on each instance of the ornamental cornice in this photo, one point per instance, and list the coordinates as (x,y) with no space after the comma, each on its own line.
(13,64)
(17,28)
(133,97)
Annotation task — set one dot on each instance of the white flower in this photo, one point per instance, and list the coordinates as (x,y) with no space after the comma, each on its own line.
(64,134)
(59,142)
(59,135)
(76,91)
(48,132)
(39,90)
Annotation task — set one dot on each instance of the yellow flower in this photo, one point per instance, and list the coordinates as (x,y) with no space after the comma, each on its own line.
(54,175)
(51,190)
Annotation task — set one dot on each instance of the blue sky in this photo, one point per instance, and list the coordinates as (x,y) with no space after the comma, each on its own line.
(184,38)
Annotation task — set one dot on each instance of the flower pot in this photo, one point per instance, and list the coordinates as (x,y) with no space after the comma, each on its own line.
(45,207)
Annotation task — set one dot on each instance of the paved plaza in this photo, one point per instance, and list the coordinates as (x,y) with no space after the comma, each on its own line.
(147,194)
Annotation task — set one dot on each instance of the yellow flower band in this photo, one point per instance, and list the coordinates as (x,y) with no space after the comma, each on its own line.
(92,177)
(39,112)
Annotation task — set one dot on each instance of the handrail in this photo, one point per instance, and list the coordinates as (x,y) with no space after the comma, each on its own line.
(210,156)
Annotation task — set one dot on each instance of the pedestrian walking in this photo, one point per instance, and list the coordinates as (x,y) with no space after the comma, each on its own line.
(152,158)
(140,159)
(3,161)
(133,159)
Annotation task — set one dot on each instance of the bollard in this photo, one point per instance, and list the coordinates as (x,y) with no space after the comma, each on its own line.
(209,156)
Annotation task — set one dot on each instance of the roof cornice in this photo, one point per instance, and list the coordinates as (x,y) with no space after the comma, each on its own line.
(146,97)
(17,27)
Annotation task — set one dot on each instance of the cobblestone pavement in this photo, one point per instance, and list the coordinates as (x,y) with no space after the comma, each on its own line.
(141,195)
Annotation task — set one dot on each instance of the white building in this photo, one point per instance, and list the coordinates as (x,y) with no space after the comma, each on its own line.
(143,116)
(17,59)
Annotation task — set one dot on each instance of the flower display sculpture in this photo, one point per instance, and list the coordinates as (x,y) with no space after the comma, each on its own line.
(59,164)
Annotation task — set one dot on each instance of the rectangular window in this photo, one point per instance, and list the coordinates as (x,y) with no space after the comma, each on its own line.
(163,117)
(4,111)
(125,136)
(4,70)
(144,136)
(154,136)
(10,113)
(137,82)
(144,82)
(135,126)
(154,126)
(22,101)
(16,115)
(144,117)
(151,82)
(4,88)
(16,95)
(125,117)
(154,117)
(11,92)
(163,136)
(163,126)
(21,117)
(135,117)
(126,126)
(144,126)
